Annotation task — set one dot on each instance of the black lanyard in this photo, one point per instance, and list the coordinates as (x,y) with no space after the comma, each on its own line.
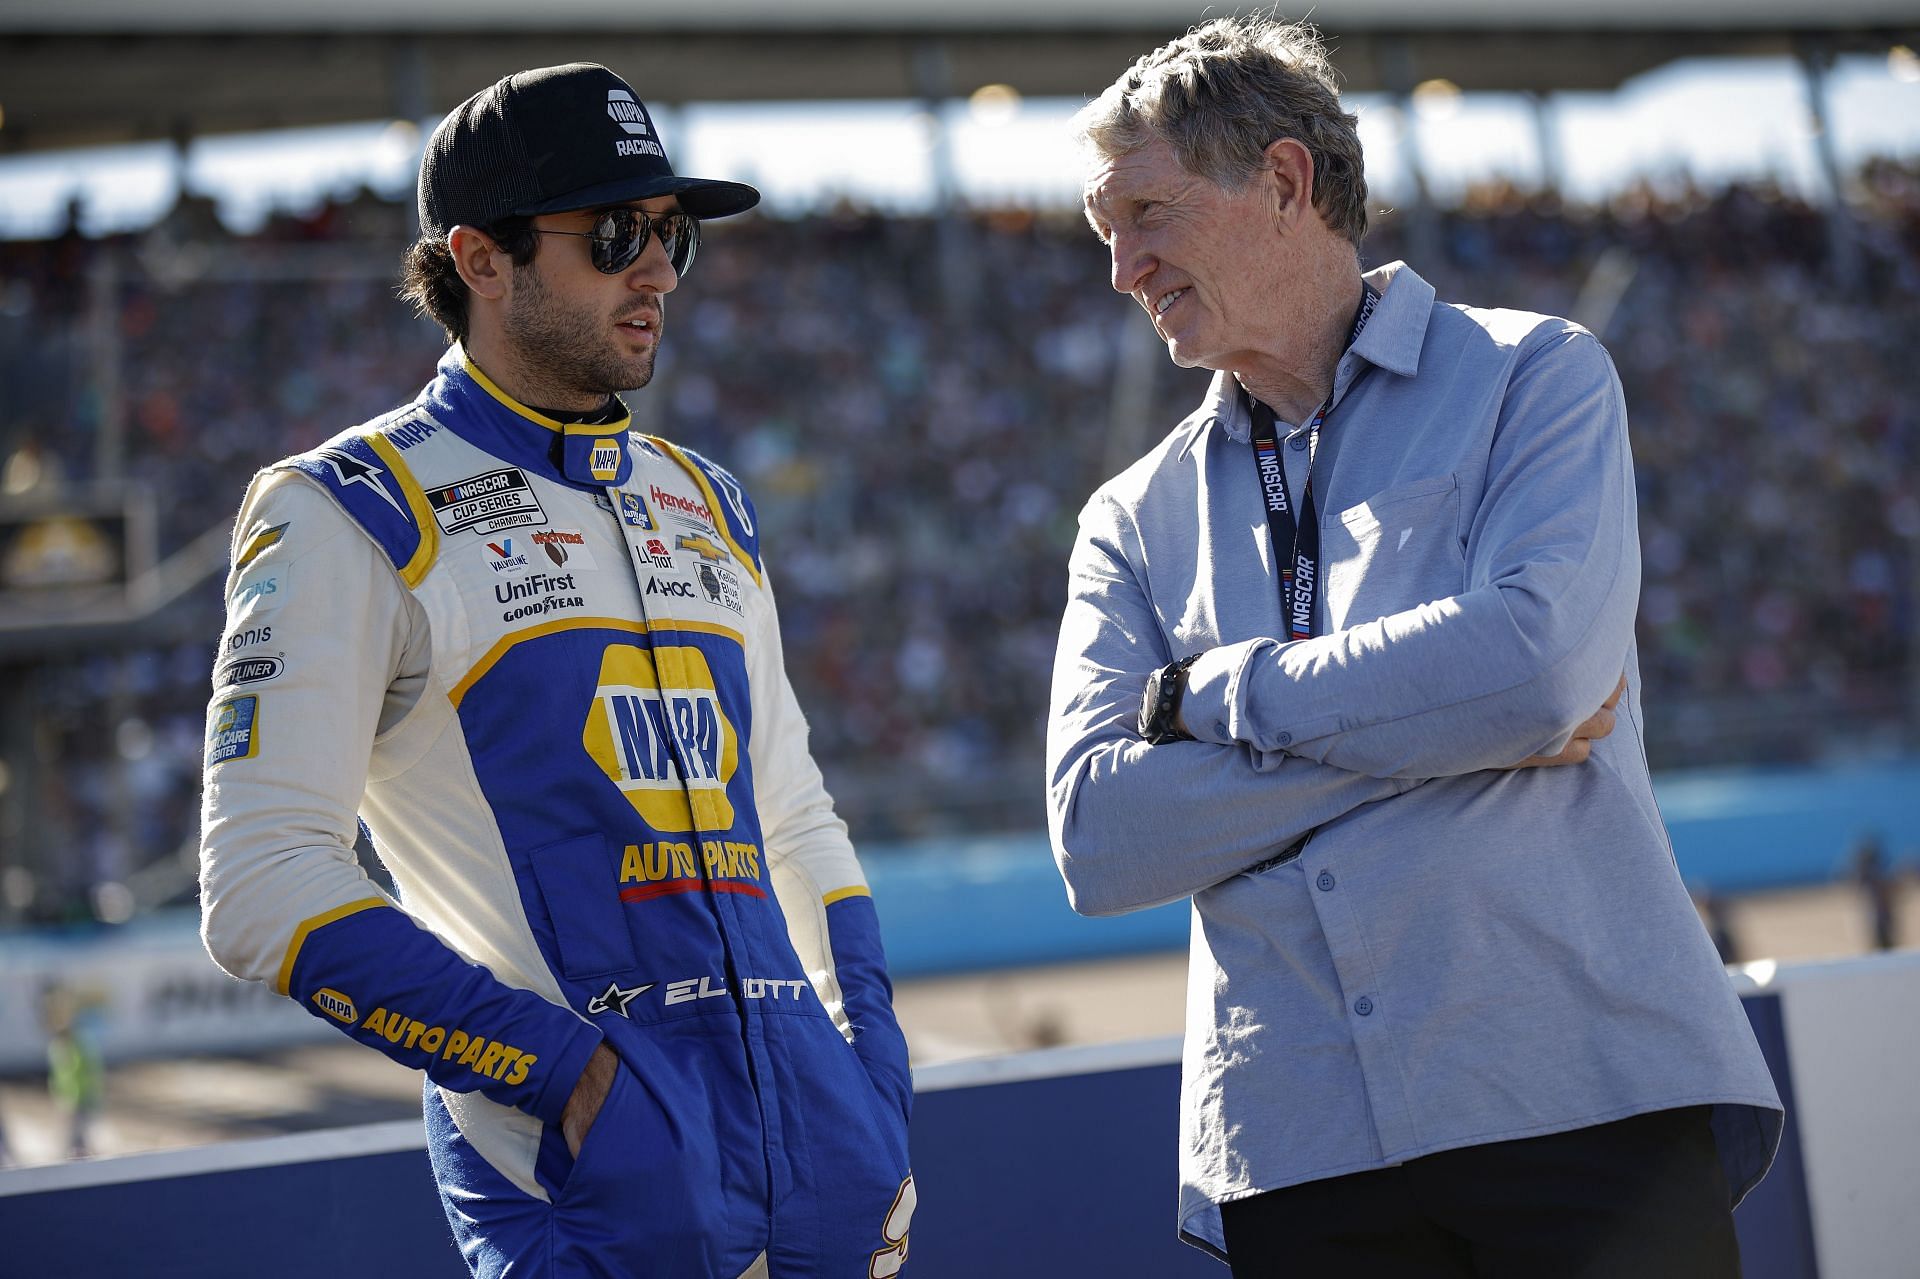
(1296,543)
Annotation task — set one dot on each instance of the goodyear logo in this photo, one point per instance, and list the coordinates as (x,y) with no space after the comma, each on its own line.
(605,460)
(641,731)
(336,1005)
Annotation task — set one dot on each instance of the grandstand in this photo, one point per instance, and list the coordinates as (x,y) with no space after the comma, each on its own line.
(1764,343)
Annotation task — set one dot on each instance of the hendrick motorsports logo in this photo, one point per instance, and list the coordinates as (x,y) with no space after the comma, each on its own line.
(638,732)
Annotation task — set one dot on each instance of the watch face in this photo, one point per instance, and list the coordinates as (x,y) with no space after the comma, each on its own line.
(1149,704)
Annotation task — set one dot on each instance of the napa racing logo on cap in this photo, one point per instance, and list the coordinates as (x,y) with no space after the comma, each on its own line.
(632,119)
(637,731)
(235,731)
(700,545)
(604,461)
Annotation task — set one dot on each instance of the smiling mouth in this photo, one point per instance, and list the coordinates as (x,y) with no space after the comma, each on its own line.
(1167,300)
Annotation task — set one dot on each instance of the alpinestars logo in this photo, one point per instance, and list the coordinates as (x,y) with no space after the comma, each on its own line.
(632,119)
(349,469)
(615,998)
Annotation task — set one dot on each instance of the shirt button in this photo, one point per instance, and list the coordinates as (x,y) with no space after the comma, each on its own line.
(1284,739)
(1325,881)
(1297,443)
(1363,1006)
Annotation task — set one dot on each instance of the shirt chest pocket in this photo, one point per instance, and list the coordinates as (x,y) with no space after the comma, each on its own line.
(1398,549)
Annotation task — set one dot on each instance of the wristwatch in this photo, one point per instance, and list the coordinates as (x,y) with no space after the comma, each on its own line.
(1160,704)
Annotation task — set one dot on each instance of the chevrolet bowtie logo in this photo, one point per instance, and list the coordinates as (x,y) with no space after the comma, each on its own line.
(699,545)
(615,998)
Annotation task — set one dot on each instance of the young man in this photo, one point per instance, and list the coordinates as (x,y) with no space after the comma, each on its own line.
(1451,1015)
(537,652)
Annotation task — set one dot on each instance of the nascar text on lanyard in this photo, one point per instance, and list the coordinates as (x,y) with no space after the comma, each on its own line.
(1296,543)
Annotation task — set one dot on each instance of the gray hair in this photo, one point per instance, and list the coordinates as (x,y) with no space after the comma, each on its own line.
(1225,91)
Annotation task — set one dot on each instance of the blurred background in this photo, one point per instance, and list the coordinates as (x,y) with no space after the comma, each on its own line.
(911,357)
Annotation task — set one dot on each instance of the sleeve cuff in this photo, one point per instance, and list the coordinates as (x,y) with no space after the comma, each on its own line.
(1213,682)
(563,1072)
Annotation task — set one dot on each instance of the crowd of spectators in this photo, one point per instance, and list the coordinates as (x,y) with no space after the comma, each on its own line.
(919,410)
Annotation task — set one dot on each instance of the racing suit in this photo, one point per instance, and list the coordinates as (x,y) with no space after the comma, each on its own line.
(541,661)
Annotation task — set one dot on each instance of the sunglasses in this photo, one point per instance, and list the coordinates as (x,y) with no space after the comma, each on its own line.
(620,237)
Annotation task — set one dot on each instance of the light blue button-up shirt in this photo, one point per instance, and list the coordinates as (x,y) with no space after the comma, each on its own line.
(1459,955)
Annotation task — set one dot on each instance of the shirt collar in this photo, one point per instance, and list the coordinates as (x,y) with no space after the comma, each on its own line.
(587,453)
(1392,340)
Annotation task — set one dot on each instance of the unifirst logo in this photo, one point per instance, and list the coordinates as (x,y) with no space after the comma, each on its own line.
(666,745)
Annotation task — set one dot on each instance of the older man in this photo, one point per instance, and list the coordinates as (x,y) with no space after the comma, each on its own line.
(1330,666)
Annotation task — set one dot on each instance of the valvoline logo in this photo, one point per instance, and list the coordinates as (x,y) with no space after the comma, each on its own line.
(641,727)
(507,555)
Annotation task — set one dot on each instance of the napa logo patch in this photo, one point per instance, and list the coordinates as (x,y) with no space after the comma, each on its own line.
(604,461)
(639,723)
(235,730)
(336,1005)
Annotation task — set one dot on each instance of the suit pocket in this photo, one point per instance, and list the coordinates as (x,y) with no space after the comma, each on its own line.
(578,879)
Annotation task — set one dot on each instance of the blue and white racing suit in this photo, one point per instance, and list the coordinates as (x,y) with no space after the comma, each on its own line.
(541,662)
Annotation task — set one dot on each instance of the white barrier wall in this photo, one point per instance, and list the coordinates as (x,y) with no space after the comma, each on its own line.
(1853,1036)
(148,990)
(1054,1162)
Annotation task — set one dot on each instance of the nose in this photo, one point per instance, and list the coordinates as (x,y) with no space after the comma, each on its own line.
(652,271)
(1131,261)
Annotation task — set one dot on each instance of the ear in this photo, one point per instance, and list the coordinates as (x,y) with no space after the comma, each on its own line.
(1289,182)
(484,265)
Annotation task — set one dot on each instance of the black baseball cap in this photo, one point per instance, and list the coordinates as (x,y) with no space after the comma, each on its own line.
(553,139)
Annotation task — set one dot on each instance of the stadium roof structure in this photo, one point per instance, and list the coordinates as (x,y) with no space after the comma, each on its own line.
(85,72)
